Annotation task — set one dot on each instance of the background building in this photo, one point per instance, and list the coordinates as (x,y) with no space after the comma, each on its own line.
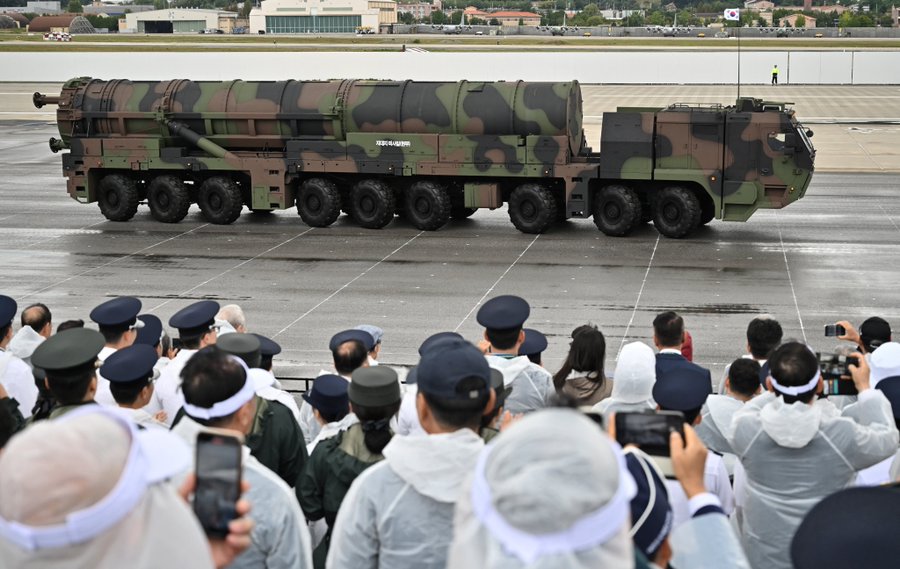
(419,10)
(321,16)
(513,19)
(179,20)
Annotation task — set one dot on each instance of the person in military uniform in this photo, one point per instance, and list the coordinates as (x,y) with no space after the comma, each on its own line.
(275,438)
(15,375)
(267,385)
(197,329)
(377,335)
(374,395)
(131,374)
(503,317)
(331,407)
(69,360)
(118,322)
(534,345)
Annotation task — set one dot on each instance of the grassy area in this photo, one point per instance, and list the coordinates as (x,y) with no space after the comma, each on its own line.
(196,42)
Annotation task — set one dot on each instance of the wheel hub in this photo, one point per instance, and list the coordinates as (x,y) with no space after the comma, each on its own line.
(612,211)
(670,212)
(528,210)
(215,201)
(313,203)
(162,199)
(423,206)
(367,204)
(112,198)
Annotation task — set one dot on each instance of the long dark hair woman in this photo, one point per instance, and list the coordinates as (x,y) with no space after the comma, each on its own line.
(582,376)
(335,463)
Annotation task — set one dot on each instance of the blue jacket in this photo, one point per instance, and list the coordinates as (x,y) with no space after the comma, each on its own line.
(668,364)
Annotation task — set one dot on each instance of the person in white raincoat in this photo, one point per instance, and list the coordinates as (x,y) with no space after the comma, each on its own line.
(90,490)
(219,393)
(797,449)
(503,318)
(399,513)
(634,378)
(15,375)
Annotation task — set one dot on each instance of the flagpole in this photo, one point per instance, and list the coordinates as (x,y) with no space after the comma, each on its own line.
(739,60)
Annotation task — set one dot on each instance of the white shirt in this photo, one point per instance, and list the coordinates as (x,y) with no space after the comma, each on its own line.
(715,477)
(104,394)
(17,379)
(168,387)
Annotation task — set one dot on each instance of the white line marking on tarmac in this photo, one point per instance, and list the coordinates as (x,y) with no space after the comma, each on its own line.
(881,207)
(496,282)
(63,234)
(225,272)
(116,260)
(347,284)
(787,267)
(640,293)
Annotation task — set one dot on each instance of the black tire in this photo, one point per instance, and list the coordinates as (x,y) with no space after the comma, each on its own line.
(168,198)
(118,197)
(532,208)
(462,212)
(220,200)
(676,212)
(318,202)
(372,204)
(617,210)
(707,211)
(427,206)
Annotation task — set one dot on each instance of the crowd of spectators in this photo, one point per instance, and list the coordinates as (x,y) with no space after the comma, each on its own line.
(481,457)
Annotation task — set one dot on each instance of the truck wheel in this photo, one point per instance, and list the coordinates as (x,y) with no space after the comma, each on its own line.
(168,198)
(220,200)
(463,212)
(617,210)
(318,202)
(427,206)
(372,204)
(118,197)
(677,212)
(532,208)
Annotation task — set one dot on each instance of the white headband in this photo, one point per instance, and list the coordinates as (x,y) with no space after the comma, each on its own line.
(594,529)
(83,525)
(796,389)
(228,406)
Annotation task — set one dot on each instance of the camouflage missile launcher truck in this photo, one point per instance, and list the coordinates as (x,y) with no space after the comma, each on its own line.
(426,150)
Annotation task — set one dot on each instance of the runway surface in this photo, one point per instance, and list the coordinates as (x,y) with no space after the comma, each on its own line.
(828,257)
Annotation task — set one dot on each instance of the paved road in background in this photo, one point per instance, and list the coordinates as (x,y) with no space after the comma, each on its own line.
(830,256)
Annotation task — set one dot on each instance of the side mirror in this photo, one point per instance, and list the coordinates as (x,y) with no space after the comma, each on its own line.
(809,133)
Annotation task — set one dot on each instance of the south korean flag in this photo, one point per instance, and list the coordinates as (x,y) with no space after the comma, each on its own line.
(733,14)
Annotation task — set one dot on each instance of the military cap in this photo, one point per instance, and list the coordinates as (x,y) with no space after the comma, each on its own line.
(651,513)
(497,384)
(504,313)
(360,336)
(328,395)
(850,529)
(133,363)
(677,392)
(69,353)
(534,343)
(376,332)
(374,386)
(436,339)
(151,333)
(118,313)
(8,308)
(195,319)
(268,346)
(440,372)
(244,346)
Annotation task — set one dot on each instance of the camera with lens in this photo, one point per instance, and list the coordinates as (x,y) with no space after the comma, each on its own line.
(835,371)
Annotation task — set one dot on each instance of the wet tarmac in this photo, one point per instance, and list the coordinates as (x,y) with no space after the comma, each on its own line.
(830,256)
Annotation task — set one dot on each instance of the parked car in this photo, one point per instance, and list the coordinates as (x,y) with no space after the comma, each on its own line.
(57,36)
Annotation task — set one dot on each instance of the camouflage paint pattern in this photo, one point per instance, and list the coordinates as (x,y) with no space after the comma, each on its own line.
(482,138)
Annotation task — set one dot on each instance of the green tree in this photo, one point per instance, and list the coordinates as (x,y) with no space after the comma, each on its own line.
(75,7)
(800,22)
(406,18)
(439,18)
(245,11)
(159,4)
(494,22)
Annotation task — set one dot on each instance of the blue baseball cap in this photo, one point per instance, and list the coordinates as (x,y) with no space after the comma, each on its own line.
(328,395)
(360,336)
(504,313)
(151,333)
(130,364)
(8,308)
(118,313)
(436,339)
(440,371)
(268,346)
(681,392)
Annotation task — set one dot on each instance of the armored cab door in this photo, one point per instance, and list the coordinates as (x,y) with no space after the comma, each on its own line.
(741,159)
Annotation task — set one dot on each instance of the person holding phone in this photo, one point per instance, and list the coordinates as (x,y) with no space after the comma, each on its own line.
(219,395)
(796,448)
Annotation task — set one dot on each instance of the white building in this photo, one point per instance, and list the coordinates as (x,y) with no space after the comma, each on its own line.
(178,20)
(320,16)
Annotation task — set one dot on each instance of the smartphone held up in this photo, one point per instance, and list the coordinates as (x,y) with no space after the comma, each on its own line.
(218,481)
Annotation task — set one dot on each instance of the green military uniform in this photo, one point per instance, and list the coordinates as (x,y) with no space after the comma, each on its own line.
(12,407)
(69,356)
(277,441)
(334,465)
